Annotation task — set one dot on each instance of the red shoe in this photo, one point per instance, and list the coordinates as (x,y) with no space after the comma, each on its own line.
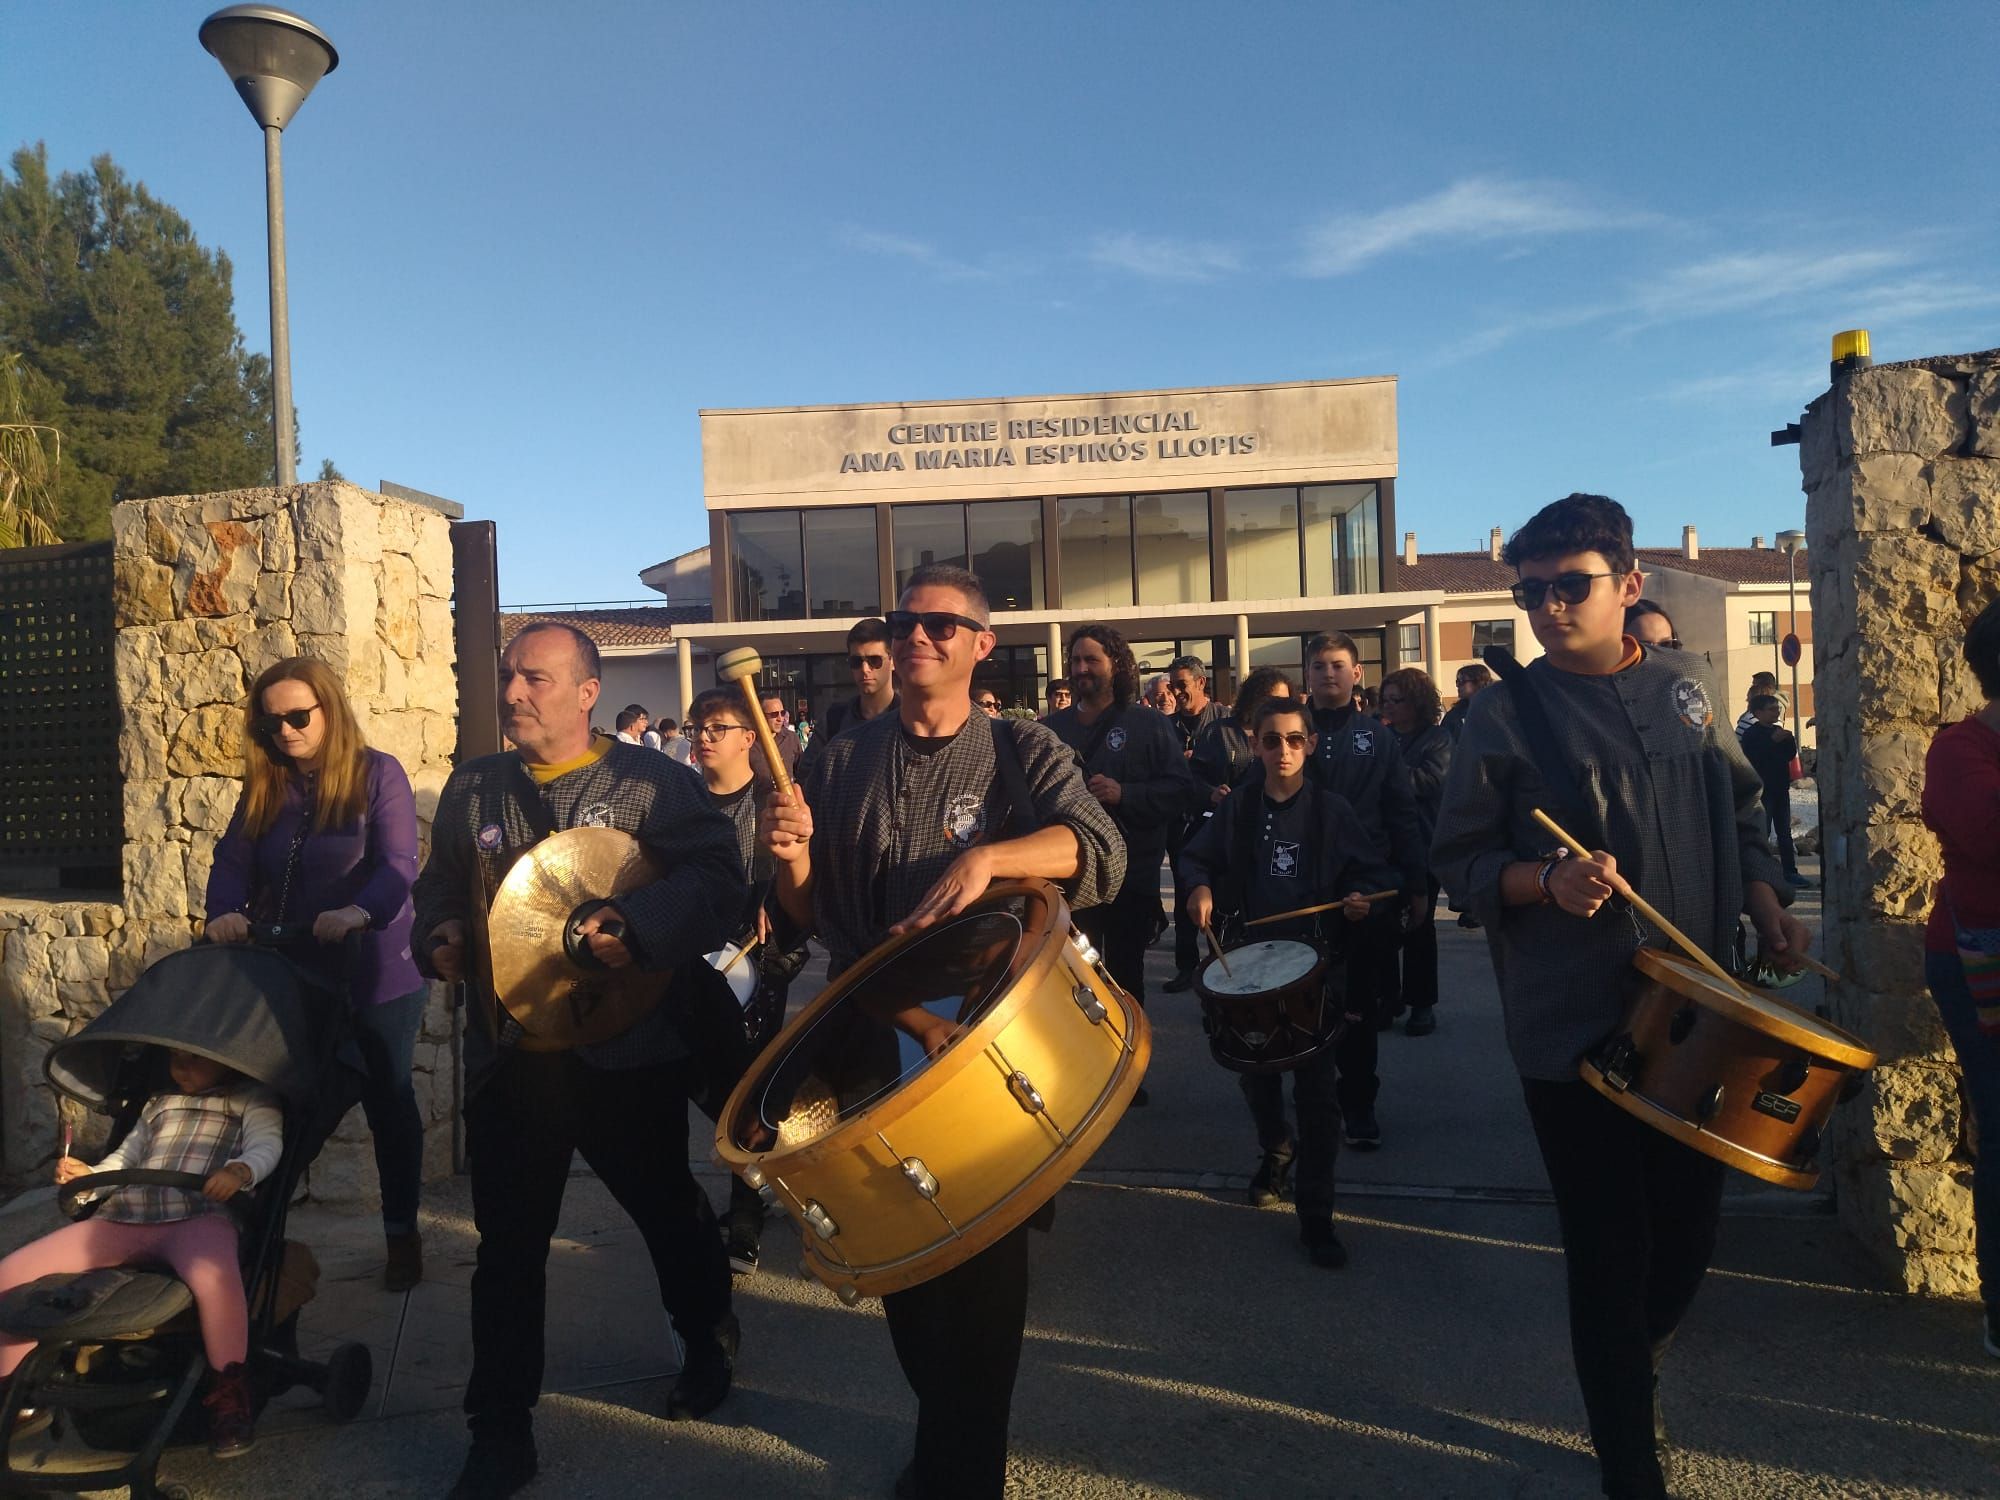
(231,1416)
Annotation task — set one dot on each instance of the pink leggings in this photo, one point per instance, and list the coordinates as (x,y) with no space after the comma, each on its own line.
(201,1251)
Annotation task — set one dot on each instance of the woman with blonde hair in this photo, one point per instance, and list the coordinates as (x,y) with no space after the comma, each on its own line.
(325,835)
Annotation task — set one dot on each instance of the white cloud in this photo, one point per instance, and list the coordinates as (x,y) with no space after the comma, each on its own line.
(1754,279)
(877,242)
(923,253)
(1471,210)
(1162,259)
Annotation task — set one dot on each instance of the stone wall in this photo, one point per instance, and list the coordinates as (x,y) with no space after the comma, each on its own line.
(210,590)
(1901,468)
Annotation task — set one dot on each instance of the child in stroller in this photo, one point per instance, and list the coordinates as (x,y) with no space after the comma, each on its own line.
(216,1125)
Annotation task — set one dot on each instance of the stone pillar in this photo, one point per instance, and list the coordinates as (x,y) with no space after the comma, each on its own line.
(1057,666)
(1431,645)
(684,666)
(1901,468)
(1242,650)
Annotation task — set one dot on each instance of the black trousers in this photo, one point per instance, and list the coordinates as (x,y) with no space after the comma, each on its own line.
(1418,987)
(522,1127)
(1778,807)
(1316,1142)
(1187,936)
(958,1339)
(1639,1213)
(1123,926)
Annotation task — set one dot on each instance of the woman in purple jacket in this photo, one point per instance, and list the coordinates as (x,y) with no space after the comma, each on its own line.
(325,833)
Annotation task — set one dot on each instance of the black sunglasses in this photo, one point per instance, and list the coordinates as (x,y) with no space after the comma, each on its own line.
(266,725)
(1569,588)
(940,625)
(855,663)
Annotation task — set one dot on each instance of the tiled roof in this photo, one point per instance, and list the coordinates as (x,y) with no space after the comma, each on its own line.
(1448,573)
(1730,564)
(646,625)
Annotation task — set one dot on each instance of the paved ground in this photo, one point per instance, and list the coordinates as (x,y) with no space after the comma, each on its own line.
(1179,1345)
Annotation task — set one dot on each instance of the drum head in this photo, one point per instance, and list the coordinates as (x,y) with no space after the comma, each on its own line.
(1259,968)
(740,972)
(891,1023)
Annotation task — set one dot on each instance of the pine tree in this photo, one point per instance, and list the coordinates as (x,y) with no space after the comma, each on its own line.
(126,328)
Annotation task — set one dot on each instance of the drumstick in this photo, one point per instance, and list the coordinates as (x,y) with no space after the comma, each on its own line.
(738,956)
(1821,969)
(1215,948)
(1307,911)
(1645,908)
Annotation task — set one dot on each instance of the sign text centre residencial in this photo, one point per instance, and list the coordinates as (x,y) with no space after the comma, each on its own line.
(990,443)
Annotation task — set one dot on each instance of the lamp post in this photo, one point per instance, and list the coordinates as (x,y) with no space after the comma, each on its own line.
(1790,542)
(274,58)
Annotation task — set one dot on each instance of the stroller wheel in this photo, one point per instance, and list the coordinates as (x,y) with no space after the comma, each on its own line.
(350,1370)
(173,1492)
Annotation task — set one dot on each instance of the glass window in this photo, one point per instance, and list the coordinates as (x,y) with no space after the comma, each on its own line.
(770,579)
(1492,633)
(1340,539)
(1263,543)
(1096,541)
(1005,537)
(1171,532)
(927,534)
(1410,646)
(840,557)
(1764,627)
(1285,652)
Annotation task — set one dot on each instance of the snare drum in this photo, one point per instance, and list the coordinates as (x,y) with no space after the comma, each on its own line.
(739,971)
(1745,1078)
(1268,1013)
(939,1092)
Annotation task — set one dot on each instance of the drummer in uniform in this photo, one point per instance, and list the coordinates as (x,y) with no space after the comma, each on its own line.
(622,1102)
(1281,844)
(1622,739)
(896,830)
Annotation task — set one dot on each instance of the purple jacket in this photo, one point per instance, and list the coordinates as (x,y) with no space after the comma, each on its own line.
(370,865)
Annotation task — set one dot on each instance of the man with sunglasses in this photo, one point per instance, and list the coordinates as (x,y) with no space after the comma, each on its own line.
(1621,745)
(1135,764)
(901,822)
(1194,711)
(623,1103)
(1277,847)
(874,679)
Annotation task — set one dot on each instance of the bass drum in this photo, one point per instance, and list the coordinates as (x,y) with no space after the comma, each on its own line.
(939,1092)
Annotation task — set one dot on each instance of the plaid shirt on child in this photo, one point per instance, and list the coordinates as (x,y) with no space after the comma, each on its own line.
(192,1133)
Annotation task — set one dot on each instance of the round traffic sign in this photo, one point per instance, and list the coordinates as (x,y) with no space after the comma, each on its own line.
(1790,651)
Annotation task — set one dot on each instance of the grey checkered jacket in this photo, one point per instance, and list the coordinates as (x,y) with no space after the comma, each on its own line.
(1664,784)
(480,830)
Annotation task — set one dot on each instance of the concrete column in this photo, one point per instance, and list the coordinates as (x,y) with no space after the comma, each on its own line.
(1057,666)
(1431,643)
(684,660)
(1242,649)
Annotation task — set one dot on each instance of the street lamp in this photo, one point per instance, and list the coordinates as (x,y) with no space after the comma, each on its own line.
(1789,542)
(274,58)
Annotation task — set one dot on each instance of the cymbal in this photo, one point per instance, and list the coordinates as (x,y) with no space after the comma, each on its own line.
(542,973)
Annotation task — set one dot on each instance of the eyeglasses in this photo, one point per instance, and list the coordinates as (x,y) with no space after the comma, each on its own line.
(874,663)
(1569,588)
(940,625)
(713,732)
(1672,643)
(1271,740)
(987,702)
(266,725)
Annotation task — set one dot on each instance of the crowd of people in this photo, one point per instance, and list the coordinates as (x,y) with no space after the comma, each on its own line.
(1372,801)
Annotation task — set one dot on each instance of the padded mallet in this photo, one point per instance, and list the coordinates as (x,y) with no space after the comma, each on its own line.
(743,665)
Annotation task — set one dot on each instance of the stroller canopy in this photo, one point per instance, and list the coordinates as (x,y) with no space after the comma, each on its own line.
(248,1008)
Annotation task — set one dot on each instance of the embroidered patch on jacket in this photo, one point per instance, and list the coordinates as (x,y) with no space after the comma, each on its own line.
(1691,703)
(488,838)
(1364,742)
(964,819)
(1284,859)
(597,815)
(1115,740)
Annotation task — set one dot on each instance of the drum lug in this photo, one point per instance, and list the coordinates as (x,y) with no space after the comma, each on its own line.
(1711,1104)
(1086,952)
(1682,1025)
(1092,1007)
(768,1195)
(820,1220)
(753,1176)
(1792,1074)
(1025,1093)
(920,1178)
(1619,1062)
(848,1293)
(1807,1147)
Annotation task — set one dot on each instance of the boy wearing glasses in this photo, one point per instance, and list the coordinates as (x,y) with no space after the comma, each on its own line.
(1620,744)
(1302,844)
(899,823)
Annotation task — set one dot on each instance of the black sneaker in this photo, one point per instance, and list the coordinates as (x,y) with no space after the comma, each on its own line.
(1467,920)
(502,1462)
(1323,1246)
(1362,1133)
(1181,983)
(1423,1021)
(745,1239)
(1267,1183)
(704,1378)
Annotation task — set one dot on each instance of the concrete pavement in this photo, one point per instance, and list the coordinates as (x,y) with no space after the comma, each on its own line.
(1179,1345)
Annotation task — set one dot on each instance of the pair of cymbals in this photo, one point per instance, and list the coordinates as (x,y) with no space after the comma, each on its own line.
(543,973)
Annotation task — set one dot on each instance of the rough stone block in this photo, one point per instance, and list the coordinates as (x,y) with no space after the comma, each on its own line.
(267,646)
(1900,1027)
(1892,771)
(396,526)
(331,649)
(1965,503)
(434,621)
(225,632)
(1983,412)
(164,937)
(401,734)
(430,682)
(207,742)
(27,977)
(142,743)
(1914,1111)
(208,801)
(178,637)
(1881,492)
(277,543)
(318,606)
(128,956)
(1883,957)
(432,555)
(440,737)
(1902,410)
(1896,675)
(1904,578)
(82,999)
(396,620)
(221,579)
(145,809)
(79,958)
(200,856)
(156,880)
(205,677)
(274,596)
(317,519)
(360,524)
(135,665)
(142,591)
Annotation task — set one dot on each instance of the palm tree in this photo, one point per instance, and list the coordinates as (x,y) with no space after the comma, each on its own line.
(30,461)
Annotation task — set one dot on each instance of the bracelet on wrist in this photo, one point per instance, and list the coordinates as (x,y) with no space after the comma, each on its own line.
(1547,869)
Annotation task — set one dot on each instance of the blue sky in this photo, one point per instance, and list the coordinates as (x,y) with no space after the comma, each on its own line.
(1603,246)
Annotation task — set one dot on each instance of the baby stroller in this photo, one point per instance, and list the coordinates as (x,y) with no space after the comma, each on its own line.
(118,1352)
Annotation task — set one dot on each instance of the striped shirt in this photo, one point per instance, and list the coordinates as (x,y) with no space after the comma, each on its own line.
(1663,783)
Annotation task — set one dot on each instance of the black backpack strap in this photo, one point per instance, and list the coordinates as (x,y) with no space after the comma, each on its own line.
(1242,846)
(1558,777)
(1017,811)
(1097,733)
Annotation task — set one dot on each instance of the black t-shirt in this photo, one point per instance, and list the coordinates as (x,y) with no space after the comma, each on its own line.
(1769,748)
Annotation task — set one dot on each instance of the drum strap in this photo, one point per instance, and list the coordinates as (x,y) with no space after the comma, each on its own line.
(1558,778)
(1243,843)
(1016,818)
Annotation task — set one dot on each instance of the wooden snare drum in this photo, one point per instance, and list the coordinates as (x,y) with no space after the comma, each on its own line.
(1269,1012)
(1746,1078)
(939,1092)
